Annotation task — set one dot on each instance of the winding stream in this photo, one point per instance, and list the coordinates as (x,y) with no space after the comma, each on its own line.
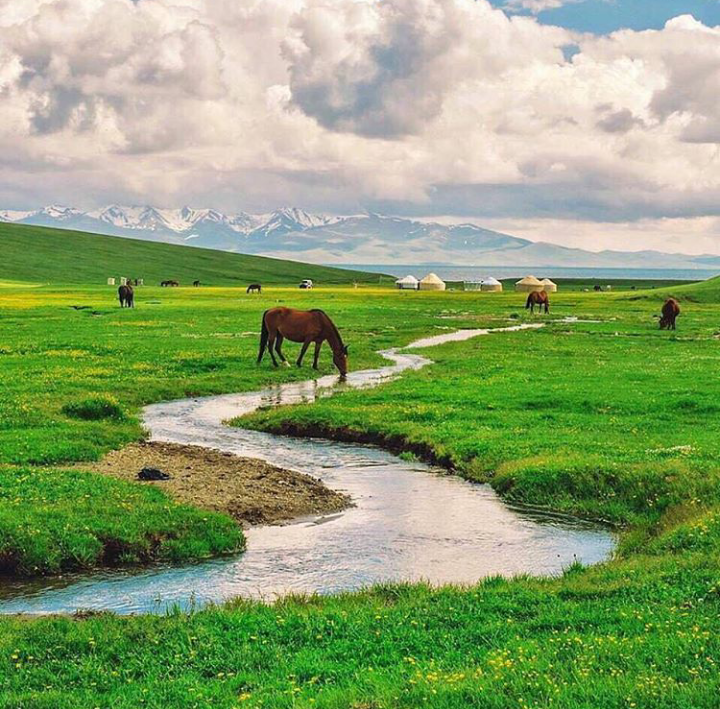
(411,521)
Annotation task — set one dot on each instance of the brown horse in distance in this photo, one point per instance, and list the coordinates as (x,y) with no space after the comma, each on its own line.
(304,326)
(539,298)
(670,310)
(254,288)
(126,294)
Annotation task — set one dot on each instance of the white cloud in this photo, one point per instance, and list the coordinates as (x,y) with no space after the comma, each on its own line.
(420,105)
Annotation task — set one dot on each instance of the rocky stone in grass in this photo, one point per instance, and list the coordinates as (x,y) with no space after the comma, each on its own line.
(153,474)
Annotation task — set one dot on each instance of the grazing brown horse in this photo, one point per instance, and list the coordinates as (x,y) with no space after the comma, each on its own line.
(670,310)
(539,298)
(304,326)
(169,284)
(254,288)
(196,284)
(126,294)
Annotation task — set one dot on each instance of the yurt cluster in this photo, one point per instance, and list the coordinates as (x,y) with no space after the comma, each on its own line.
(430,282)
(485,285)
(530,284)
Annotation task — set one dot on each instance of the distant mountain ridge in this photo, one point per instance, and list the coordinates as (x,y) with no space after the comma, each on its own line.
(293,233)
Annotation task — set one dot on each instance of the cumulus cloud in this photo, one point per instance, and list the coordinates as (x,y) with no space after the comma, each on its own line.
(385,69)
(417,105)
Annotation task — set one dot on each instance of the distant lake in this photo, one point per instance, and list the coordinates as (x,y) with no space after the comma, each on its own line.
(467,273)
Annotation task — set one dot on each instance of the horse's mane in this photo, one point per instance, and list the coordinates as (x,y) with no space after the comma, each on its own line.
(331,323)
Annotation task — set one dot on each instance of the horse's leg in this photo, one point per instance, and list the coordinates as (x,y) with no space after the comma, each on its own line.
(316,356)
(264,335)
(303,350)
(278,346)
(271,347)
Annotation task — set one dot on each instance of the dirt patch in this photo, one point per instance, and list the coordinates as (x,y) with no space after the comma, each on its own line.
(251,491)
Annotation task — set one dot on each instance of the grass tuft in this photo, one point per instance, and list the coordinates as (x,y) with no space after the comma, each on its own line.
(95,408)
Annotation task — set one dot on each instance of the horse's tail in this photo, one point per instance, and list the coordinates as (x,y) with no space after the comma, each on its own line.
(264,335)
(528,302)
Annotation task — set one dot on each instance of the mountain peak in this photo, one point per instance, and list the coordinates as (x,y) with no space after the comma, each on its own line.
(292,232)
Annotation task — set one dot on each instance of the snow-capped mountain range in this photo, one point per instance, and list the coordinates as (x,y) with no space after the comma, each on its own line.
(368,238)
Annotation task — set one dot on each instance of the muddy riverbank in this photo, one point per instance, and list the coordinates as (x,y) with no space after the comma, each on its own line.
(248,489)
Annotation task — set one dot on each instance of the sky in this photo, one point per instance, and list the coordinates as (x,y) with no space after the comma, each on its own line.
(592,123)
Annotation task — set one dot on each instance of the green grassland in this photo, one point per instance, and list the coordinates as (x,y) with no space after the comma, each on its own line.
(46,255)
(76,369)
(611,419)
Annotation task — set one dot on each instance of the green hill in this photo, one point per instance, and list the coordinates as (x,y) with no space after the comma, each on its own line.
(44,255)
(702,292)
(699,292)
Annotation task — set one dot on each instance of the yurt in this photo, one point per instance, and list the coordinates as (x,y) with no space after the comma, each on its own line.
(472,285)
(431,282)
(407,283)
(491,285)
(528,285)
(549,286)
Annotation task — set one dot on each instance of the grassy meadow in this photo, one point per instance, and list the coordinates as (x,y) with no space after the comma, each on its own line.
(612,419)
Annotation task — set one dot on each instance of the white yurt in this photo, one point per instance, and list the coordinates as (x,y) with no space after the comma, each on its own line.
(407,283)
(431,282)
(491,285)
(528,285)
(549,286)
(473,285)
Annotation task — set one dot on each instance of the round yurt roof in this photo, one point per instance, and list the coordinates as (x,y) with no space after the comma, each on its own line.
(407,279)
(529,281)
(490,281)
(432,278)
(547,282)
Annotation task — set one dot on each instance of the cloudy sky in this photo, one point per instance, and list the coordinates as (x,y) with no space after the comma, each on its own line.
(593,123)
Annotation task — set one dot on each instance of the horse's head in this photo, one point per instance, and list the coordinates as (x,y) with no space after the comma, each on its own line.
(340,356)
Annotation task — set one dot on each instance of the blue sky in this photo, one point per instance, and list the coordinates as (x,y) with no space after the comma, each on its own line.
(603,16)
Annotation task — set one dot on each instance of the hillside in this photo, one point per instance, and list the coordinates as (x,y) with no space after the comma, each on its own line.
(702,292)
(47,255)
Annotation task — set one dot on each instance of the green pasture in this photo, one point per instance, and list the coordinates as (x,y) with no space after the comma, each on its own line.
(611,419)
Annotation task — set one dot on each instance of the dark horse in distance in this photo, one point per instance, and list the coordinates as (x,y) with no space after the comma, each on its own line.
(539,298)
(254,288)
(670,310)
(126,294)
(304,326)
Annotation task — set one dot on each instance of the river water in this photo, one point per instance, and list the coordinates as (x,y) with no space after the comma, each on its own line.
(410,522)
